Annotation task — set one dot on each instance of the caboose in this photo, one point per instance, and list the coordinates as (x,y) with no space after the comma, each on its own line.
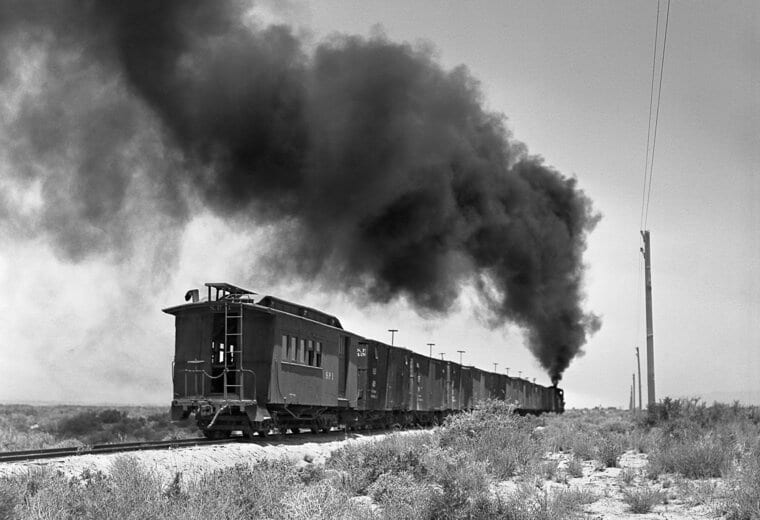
(251,366)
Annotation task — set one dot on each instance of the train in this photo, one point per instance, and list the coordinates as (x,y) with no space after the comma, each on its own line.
(249,365)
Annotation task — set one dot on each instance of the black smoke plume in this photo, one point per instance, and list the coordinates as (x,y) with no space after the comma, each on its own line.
(389,175)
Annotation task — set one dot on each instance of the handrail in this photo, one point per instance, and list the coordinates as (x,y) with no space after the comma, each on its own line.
(204,374)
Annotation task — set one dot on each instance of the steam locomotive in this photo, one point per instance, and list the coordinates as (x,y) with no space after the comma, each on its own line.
(254,366)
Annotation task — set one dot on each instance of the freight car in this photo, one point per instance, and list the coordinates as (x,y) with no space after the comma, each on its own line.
(253,366)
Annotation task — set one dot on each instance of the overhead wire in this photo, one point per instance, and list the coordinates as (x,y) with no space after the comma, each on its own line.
(652,129)
(657,113)
(649,120)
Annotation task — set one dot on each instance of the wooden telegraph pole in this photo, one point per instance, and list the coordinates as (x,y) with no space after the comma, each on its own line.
(646,251)
(633,392)
(638,364)
(631,399)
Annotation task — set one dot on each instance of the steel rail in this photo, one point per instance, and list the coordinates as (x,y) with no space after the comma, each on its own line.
(50,453)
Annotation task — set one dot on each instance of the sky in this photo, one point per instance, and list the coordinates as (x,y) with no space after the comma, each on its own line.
(573,80)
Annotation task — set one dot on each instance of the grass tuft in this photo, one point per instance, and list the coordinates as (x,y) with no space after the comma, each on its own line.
(706,457)
(611,447)
(642,500)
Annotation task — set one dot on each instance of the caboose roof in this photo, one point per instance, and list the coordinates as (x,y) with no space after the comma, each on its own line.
(300,310)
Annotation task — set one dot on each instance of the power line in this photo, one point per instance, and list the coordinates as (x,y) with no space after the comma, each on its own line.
(649,120)
(657,113)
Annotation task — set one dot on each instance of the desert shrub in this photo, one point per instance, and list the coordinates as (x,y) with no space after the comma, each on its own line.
(492,434)
(642,441)
(78,425)
(610,449)
(574,468)
(317,502)
(642,500)
(742,495)
(706,457)
(110,416)
(271,489)
(364,463)
(697,492)
(682,415)
(627,476)
(549,469)
(573,499)
(159,420)
(257,490)
(129,491)
(28,427)
(311,473)
(531,503)
(559,433)
(460,478)
(584,447)
(616,425)
(403,497)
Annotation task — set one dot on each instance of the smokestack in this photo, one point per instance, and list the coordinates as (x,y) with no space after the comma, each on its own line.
(384,172)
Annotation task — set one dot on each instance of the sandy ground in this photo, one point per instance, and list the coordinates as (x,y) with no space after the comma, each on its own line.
(606,483)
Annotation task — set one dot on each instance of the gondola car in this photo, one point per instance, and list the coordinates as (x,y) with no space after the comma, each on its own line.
(253,366)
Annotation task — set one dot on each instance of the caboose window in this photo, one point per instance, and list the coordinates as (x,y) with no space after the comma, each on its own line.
(318,355)
(301,351)
(310,352)
(284,346)
(292,353)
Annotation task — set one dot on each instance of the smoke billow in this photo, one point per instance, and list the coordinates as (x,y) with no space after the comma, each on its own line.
(389,174)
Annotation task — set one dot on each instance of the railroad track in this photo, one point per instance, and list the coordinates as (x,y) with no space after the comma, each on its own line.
(52,453)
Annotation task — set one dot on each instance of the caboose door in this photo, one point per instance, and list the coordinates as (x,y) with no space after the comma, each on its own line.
(344,344)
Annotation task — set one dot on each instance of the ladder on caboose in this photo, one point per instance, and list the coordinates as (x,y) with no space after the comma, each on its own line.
(233,343)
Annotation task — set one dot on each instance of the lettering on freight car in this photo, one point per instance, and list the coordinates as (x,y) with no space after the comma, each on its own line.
(361,352)
(329,375)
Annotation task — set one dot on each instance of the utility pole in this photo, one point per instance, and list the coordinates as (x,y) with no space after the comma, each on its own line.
(630,399)
(460,355)
(647,252)
(633,392)
(441,353)
(638,364)
(494,366)
(431,345)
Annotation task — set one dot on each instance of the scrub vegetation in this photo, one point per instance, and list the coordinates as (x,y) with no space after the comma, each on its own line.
(488,463)
(26,427)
